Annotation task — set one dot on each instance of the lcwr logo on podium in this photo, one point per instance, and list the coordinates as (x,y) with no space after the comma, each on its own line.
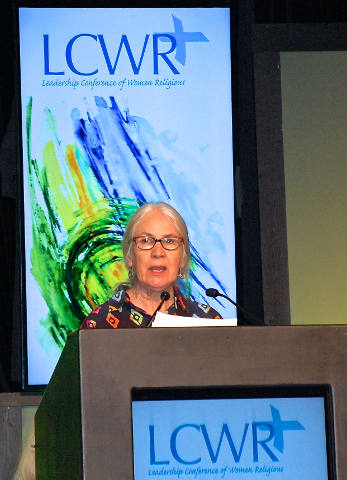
(274,440)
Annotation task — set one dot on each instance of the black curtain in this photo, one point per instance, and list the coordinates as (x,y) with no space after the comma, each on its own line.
(300,11)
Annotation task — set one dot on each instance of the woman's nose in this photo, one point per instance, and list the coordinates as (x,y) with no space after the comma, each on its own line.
(158,250)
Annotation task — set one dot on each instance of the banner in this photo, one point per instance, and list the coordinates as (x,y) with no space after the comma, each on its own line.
(120,107)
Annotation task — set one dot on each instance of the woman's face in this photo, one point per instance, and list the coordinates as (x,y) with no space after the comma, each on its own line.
(157,268)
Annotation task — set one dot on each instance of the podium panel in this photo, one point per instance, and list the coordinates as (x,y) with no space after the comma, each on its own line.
(84,422)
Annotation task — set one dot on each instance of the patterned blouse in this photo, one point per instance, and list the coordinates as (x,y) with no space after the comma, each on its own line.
(119,312)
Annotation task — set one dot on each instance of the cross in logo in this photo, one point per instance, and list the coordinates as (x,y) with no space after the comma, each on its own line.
(279,426)
(182,38)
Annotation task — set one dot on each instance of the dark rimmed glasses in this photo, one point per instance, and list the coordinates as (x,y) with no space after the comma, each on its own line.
(145,242)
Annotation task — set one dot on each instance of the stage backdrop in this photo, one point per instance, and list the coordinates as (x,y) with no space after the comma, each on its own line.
(119,107)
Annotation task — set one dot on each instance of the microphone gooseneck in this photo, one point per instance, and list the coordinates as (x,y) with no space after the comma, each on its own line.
(164,296)
(213,292)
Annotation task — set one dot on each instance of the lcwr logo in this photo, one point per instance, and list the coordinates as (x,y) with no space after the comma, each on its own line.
(176,39)
(275,429)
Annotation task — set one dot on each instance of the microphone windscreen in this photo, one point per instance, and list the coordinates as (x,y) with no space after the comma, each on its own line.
(165,295)
(212,292)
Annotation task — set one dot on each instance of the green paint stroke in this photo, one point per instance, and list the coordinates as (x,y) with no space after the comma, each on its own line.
(76,255)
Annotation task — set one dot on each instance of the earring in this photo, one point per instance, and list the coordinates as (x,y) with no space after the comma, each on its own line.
(132,274)
(181,274)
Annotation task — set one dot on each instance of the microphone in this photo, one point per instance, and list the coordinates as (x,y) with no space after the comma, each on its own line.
(213,292)
(164,296)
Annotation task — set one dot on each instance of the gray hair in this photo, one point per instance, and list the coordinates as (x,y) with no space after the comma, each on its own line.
(128,244)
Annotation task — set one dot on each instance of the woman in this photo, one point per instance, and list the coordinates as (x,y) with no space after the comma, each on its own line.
(156,254)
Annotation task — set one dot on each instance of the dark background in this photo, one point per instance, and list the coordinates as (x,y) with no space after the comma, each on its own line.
(249,269)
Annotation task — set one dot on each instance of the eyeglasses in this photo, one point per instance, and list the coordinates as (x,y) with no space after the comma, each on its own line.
(145,242)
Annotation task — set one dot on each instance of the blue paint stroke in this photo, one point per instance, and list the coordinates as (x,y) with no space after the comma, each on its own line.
(121,152)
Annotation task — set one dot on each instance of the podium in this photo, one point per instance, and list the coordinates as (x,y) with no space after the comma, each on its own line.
(83,424)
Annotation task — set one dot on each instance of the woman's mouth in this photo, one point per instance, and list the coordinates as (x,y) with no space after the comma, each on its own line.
(157,269)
